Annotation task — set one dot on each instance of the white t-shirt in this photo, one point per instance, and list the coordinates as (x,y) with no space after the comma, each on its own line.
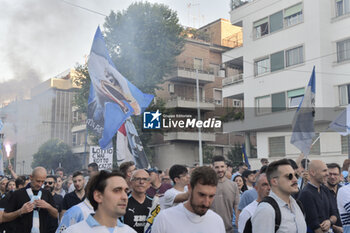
(91,225)
(246,213)
(178,219)
(169,196)
(343,199)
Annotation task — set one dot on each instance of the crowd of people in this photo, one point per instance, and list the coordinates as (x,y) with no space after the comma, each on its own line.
(283,196)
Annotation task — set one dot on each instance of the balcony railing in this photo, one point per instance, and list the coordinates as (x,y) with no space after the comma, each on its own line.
(232,80)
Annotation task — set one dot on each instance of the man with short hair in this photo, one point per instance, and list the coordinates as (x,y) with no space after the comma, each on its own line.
(157,188)
(249,177)
(320,214)
(263,189)
(179,193)
(59,172)
(227,194)
(58,187)
(92,169)
(264,162)
(241,168)
(108,194)
(50,183)
(139,203)
(127,168)
(283,183)
(78,195)
(194,215)
(30,207)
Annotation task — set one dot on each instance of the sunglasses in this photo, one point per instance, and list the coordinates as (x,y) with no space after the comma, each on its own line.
(289,176)
(49,183)
(138,179)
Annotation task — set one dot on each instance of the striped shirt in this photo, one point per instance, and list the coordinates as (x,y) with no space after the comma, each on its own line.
(343,201)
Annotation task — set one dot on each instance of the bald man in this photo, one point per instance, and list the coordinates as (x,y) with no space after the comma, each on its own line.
(139,204)
(320,215)
(29,208)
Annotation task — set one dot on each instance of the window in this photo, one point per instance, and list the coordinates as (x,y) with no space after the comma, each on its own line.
(277,147)
(263,105)
(237,103)
(171,88)
(218,97)
(294,56)
(293,15)
(74,139)
(344,145)
(343,50)
(262,66)
(198,64)
(277,61)
(342,7)
(295,97)
(276,21)
(278,101)
(344,95)
(261,27)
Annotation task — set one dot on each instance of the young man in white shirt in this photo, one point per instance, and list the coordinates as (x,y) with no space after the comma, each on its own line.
(108,195)
(194,215)
(179,193)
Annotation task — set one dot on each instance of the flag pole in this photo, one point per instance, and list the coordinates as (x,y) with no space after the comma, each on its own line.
(199,117)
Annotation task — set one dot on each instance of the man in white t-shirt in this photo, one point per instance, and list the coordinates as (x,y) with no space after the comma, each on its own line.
(179,193)
(107,193)
(194,215)
(263,189)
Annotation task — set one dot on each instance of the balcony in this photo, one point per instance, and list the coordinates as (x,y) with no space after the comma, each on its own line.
(188,136)
(188,75)
(79,126)
(232,80)
(186,103)
(78,149)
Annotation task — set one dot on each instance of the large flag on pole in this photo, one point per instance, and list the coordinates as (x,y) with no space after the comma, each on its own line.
(303,122)
(244,156)
(342,123)
(112,97)
(123,150)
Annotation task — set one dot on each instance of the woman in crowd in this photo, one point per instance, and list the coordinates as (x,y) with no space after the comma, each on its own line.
(240,183)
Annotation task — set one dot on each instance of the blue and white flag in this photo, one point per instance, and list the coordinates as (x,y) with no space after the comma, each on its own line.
(342,123)
(245,157)
(303,122)
(112,97)
(1,125)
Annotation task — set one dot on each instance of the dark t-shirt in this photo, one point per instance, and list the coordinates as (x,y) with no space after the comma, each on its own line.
(6,226)
(151,192)
(53,222)
(70,200)
(23,223)
(136,213)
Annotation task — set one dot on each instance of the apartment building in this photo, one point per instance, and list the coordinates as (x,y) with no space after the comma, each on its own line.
(282,41)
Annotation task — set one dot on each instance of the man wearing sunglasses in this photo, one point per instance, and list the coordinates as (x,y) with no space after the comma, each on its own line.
(49,185)
(283,183)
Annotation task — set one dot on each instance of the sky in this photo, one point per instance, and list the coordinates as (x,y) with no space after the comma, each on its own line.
(40,39)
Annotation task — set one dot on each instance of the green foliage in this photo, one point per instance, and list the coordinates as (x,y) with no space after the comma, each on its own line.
(144,41)
(233,114)
(53,152)
(235,154)
(197,34)
(82,80)
(208,154)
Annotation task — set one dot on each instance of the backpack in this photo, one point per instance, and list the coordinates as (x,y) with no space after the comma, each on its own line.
(248,228)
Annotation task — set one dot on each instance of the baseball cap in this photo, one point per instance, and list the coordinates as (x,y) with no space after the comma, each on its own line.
(246,173)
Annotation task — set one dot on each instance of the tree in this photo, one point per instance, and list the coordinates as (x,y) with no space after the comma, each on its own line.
(208,154)
(54,152)
(82,80)
(235,154)
(144,41)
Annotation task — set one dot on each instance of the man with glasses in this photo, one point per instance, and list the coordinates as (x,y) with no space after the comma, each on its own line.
(320,214)
(139,204)
(50,183)
(179,193)
(283,183)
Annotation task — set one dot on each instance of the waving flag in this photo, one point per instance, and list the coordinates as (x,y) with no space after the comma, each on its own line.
(112,97)
(303,122)
(245,157)
(342,123)
(123,150)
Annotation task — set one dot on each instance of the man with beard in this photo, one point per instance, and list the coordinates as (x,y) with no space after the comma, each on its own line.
(227,194)
(78,195)
(107,193)
(320,215)
(283,183)
(333,187)
(30,207)
(50,183)
(194,215)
